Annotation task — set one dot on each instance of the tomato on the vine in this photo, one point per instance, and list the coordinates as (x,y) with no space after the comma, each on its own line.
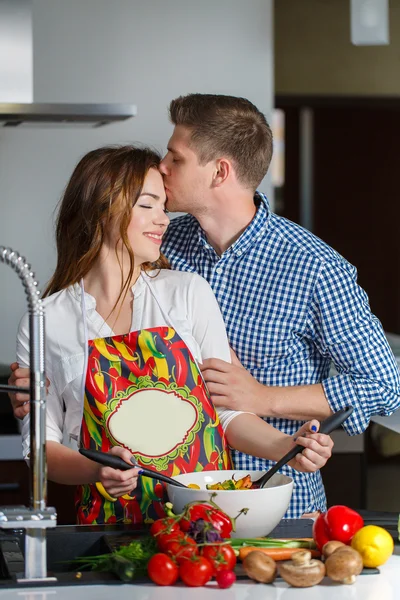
(218,519)
(164,538)
(162,569)
(221,556)
(164,525)
(196,571)
(181,549)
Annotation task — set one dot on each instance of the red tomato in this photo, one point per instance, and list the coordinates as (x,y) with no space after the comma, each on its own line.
(182,549)
(161,525)
(221,556)
(164,538)
(162,569)
(225,579)
(195,572)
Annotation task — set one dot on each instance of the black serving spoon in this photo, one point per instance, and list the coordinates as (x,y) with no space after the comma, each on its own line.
(326,426)
(110,460)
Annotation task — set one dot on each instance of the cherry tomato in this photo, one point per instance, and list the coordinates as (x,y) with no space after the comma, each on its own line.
(164,525)
(225,579)
(164,538)
(182,549)
(162,569)
(221,556)
(196,571)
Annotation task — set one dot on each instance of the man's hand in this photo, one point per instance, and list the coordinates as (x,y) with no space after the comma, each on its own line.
(231,386)
(20,378)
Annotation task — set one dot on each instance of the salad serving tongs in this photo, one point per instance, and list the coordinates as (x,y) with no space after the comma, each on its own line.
(110,460)
(326,426)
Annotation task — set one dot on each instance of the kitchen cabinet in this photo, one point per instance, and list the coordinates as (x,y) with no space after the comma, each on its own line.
(354,185)
(345,473)
(14,482)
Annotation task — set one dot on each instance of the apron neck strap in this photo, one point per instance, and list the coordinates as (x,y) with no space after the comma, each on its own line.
(85,340)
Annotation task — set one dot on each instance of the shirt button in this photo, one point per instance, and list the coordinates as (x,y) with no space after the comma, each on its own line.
(239,252)
(218,270)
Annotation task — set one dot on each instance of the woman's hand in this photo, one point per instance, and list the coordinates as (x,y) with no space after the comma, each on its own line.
(116,482)
(318,448)
(19,401)
(20,376)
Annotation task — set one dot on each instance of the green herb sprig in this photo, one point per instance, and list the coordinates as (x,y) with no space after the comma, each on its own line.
(127,562)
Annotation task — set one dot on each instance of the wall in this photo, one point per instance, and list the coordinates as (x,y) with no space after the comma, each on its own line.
(314,54)
(123,51)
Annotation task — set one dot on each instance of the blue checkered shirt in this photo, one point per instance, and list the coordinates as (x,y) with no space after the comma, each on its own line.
(292,306)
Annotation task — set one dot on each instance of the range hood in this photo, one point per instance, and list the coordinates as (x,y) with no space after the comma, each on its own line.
(17,106)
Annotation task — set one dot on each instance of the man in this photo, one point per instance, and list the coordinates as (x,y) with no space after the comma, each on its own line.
(290,303)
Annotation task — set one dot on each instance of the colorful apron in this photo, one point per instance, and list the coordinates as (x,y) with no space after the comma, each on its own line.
(144,391)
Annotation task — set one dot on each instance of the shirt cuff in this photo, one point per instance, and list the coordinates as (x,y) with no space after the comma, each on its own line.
(226,416)
(340,393)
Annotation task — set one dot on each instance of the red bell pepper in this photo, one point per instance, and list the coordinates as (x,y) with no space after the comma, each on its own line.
(338,523)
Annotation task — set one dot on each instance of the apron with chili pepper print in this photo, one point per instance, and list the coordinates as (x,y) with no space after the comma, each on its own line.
(144,392)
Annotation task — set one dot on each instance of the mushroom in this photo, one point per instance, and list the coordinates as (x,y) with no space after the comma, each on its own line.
(330,547)
(260,567)
(344,564)
(302,571)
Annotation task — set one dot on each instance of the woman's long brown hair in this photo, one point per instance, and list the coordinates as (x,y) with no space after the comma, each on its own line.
(104,186)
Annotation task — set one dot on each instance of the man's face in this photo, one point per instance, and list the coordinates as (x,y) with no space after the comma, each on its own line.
(187,183)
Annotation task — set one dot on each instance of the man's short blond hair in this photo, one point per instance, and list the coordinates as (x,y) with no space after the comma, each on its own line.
(227,126)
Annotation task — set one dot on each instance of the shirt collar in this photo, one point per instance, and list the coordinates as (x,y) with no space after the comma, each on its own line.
(255,229)
(90,301)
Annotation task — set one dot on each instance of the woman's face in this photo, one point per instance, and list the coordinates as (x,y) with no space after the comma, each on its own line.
(149,221)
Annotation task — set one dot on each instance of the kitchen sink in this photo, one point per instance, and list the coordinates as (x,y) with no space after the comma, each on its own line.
(65,543)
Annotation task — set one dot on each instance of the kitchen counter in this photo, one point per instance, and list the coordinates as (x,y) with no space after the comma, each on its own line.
(64,543)
(392,422)
(384,586)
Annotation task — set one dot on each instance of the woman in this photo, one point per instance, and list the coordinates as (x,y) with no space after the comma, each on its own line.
(136,331)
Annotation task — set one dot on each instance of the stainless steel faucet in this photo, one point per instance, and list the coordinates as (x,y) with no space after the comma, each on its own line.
(38,517)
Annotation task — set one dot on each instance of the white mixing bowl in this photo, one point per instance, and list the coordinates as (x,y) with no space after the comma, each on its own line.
(266,506)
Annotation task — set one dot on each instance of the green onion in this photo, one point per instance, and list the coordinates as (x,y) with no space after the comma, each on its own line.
(237,543)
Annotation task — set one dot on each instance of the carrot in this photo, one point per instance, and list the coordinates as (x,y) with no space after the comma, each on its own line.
(274,552)
(304,539)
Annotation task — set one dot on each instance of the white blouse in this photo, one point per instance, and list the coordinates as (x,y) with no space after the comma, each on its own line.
(180,300)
